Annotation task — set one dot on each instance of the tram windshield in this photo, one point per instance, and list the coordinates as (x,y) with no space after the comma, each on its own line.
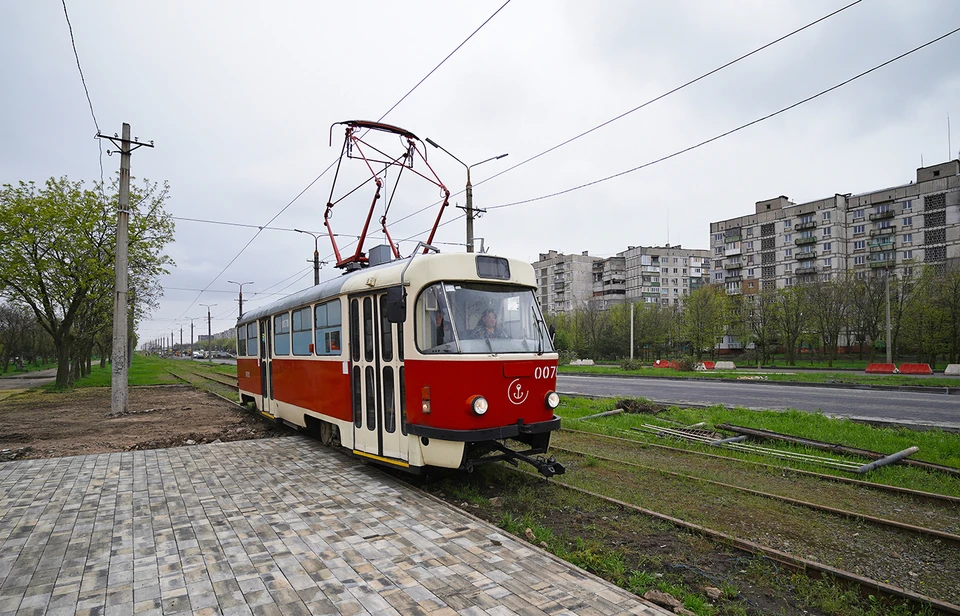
(463,317)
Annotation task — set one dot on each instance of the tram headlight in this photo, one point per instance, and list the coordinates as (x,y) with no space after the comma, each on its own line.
(552,400)
(479,405)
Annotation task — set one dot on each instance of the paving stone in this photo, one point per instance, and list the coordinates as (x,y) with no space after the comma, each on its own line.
(273,527)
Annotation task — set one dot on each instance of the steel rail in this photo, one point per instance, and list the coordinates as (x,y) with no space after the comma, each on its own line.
(796,563)
(930,496)
(920,530)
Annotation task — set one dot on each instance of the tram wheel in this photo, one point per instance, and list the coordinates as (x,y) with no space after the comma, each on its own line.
(326,433)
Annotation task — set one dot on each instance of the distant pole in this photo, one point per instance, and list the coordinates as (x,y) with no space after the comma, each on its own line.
(469,189)
(209,334)
(241,292)
(119,381)
(191,336)
(631,331)
(316,255)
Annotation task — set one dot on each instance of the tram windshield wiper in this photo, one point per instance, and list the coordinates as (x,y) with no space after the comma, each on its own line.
(539,323)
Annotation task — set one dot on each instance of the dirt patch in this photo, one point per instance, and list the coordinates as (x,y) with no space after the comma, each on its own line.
(38,424)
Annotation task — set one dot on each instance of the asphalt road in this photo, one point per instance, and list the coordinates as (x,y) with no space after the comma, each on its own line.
(902,407)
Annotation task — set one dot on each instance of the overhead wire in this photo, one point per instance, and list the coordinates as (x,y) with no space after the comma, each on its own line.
(316,179)
(86,91)
(647,103)
(729,132)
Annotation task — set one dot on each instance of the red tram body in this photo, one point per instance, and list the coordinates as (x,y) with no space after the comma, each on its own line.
(398,362)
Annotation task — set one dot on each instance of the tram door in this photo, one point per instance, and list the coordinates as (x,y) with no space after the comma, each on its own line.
(266,366)
(376,353)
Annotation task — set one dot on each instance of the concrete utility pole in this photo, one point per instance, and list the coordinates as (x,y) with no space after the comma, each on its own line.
(119,381)
(469,209)
(241,292)
(191,336)
(209,334)
(316,256)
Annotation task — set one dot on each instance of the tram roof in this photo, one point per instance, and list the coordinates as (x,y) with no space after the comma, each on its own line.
(386,274)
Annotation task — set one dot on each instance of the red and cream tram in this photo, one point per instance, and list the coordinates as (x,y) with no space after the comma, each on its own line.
(436,360)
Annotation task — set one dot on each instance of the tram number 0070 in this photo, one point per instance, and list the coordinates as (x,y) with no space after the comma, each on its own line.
(545,372)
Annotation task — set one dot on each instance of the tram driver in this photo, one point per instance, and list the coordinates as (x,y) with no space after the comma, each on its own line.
(487,326)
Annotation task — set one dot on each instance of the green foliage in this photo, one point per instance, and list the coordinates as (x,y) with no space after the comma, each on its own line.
(58,253)
(630,364)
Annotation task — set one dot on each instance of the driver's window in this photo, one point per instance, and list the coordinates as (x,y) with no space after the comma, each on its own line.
(434,320)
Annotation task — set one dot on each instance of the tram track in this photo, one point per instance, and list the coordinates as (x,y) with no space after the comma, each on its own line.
(913,561)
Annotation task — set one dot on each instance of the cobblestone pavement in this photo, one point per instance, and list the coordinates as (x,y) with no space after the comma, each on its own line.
(272,526)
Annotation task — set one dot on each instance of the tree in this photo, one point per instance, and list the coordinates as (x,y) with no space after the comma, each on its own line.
(868,312)
(594,323)
(829,304)
(704,318)
(787,314)
(948,298)
(58,253)
(757,323)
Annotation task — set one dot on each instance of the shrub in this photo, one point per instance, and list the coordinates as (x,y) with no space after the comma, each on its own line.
(686,363)
(629,364)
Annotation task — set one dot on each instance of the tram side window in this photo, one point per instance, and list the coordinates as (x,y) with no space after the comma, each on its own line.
(302,331)
(328,321)
(251,339)
(281,334)
(242,340)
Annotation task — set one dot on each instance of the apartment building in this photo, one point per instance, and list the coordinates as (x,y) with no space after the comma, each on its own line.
(657,274)
(664,274)
(784,243)
(564,282)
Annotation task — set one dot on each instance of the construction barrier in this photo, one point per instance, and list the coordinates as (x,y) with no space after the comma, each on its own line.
(709,365)
(952,370)
(725,365)
(664,363)
(915,369)
(881,369)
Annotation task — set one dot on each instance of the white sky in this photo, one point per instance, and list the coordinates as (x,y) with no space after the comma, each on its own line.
(239,98)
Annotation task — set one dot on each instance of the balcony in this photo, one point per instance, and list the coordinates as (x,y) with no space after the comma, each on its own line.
(732,265)
(559,287)
(803,226)
(806,255)
(731,238)
(734,278)
(880,264)
(877,246)
(800,241)
(809,269)
(883,215)
(883,231)
(730,252)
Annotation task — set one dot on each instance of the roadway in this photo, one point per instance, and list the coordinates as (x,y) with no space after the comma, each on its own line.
(876,405)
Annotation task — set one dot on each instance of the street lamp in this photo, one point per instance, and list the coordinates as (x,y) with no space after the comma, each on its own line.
(469,188)
(209,334)
(241,294)
(316,255)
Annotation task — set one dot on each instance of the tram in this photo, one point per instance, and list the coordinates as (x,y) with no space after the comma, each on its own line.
(398,363)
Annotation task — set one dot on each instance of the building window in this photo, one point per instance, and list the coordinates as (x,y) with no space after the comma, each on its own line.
(859,260)
(858,214)
(788,252)
(787,267)
(750,272)
(826,215)
(860,245)
(908,204)
(907,255)
(786,224)
(787,238)
(826,246)
(828,262)
(908,221)
(718,237)
(908,238)
(826,231)
(858,229)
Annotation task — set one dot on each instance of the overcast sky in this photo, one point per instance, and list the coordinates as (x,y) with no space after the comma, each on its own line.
(239,98)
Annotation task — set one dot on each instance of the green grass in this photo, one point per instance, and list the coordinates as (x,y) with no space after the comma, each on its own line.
(27,368)
(935,446)
(150,370)
(782,375)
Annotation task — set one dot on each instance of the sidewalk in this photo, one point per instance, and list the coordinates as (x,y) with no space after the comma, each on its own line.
(272,526)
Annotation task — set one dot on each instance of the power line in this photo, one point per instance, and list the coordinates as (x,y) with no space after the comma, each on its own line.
(316,179)
(76,55)
(649,102)
(729,132)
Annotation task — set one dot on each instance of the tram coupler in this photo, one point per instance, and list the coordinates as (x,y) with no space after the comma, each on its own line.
(548,467)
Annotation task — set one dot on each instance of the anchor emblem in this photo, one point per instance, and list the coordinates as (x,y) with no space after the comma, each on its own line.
(515,392)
